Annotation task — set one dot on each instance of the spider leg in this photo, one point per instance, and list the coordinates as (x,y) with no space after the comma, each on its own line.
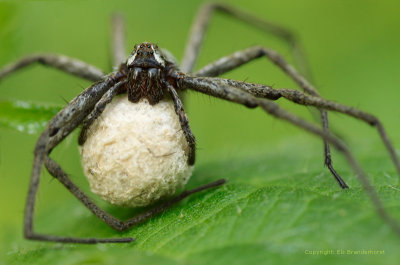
(58,128)
(115,223)
(228,63)
(213,87)
(156,210)
(68,119)
(203,17)
(183,119)
(197,35)
(319,102)
(67,64)
(118,39)
(239,58)
(98,109)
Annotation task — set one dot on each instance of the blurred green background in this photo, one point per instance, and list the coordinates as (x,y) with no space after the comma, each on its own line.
(354,51)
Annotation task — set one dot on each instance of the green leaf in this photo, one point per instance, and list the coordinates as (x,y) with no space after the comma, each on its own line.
(268,213)
(280,204)
(26,117)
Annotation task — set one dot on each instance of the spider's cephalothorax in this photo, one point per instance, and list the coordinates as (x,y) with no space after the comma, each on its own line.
(145,72)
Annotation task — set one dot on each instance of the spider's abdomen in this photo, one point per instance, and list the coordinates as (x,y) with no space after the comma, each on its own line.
(145,83)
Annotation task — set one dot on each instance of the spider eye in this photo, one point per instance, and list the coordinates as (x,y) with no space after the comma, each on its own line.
(141,46)
(148,46)
(138,52)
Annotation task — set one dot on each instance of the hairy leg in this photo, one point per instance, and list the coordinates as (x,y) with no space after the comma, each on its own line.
(98,109)
(158,209)
(296,96)
(69,65)
(118,39)
(304,99)
(203,18)
(61,125)
(56,171)
(239,58)
(233,94)
(183,119)
(197,34)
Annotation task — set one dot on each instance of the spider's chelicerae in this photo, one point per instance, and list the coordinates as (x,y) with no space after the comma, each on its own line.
(150,78)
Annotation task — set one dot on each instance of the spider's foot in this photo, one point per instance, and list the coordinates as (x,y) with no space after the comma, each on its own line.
(340,181)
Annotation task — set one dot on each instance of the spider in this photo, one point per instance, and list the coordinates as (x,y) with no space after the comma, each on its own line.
(150,73)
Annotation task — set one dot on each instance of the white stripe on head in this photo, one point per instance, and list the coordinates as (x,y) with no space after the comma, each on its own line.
(131,59)
(158,57)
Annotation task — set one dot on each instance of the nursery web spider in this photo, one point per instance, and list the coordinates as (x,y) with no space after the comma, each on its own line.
(149,73)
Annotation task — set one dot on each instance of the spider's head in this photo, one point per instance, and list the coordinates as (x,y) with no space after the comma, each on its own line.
(146,55)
